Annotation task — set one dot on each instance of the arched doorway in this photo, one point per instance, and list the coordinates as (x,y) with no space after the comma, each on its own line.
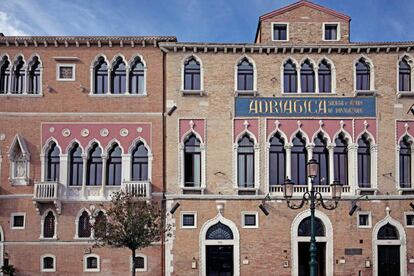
(389,248)
(301,241)
(219,246)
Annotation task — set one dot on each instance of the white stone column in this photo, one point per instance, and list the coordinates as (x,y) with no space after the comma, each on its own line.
(309,149)
(85,164)
(331,163)
(288,149)
(63,174)
(104,161)
(353,167)
(42,167)
(126,167)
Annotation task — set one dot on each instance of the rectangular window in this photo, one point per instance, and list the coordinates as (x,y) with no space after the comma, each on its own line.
(250,220)
(409,220)
(280,32)
(18,220)
(331,32)
(364,220)
(65,72)
(188,220)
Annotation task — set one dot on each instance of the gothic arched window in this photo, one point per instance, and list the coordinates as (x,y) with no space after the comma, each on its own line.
(364,162)
(137,77)
(140,162)
(219,231)
(245,162)
(94,166)
(75,166)
(34,81)
(49,225)
(405,163)
(84,226)
(4,75)
(404,75)
(114,166)
(325,77)
(299,159)
(388,232)
(341,160)
(290,77)
(363,75)
(304,229)
(321,155)
(277,160)
(101,76)
(18,76)
(192,80)
(118,76)
(245,75)
(53,163)
(192,162)
(307,77)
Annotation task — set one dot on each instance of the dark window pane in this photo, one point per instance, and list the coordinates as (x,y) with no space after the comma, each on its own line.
(33,86)
(18,221)
(321,155)
(92,262)
(136,77)
(279,32)
(277,160)
(118,77)
(48,263)
(94,166)
(75,166)
(18,76)
(405,163)
(245,75)
(410,220)
(245,152)
(192,74)
(250,220)
(140,163)
(219,231)
(363,220)
(289,77)
(192,162)
(84,227)
(362,75)
(4,75)
(139,262)
(341,160)
(324,75)
(404,76)
(331,31)
(114,166)
(53,163)
(304,229)
(364,162)
(49,225)
(299,158)
(307,77)
(101,76)
(188,220)
(388,232)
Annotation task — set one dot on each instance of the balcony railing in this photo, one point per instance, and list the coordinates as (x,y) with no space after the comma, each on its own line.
(137,188)
(46,191)
(300,189)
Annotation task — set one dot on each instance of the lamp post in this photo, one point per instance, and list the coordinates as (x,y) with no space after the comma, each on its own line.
(314,197)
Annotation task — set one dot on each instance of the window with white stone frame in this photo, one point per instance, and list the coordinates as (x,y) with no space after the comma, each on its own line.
(18,220)
(364,220)
(65,72)
(48,225)
(250,219)
(188,220)
(364,77)
(405,76)
(245,76)
(83,228)
(141,262)
(366,162)
(192,75)
(404,163)
(48,263)
(91,263)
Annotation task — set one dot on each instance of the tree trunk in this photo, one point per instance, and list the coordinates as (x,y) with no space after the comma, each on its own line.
(133,262)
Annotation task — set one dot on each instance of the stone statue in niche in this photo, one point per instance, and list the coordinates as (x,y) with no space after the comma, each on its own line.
(20,166)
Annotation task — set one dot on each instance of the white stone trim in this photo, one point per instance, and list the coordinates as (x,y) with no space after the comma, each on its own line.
(328,239)
(183,61)
(144,92)
(92,72)
(282,78)
(42,269)
(397,159)
(127,160)
(19,141)
(315,74)
(12,216)
(374,160)
(402,242)
(182,213)
(369,219)
(86,269)
(235,243)
(242,222)
(267,157)
(333,75)
(72,65)
(145,269)
(42,223)
(279,23)
(244,56)
(40,72)
(338,31)
(43,158)
(169,240)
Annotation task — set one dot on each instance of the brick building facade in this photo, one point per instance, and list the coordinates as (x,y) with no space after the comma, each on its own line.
(84,116)
(249,115)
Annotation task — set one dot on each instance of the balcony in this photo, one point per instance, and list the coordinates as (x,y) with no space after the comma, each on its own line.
(300,189)
(46,192)
(137,188)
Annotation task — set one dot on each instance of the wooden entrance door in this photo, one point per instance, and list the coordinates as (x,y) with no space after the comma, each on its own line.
(219,260)
(388,260)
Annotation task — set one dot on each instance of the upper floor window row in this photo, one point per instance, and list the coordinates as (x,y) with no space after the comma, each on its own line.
(118,77)
(330,31)
(21,77)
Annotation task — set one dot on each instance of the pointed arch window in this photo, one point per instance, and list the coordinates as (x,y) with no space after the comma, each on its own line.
(290,77)
(49,225)
(34,81)
(364,162)
(84,226)
(325,77)
(118,76)
(4,75)
(219,231)
(94,166)
(137,77)
(75,166)
(321,155)
(53,163)
(307,77)
(192,74)
(101,76)
(388,232)
(405,163)
(140,163)
(245,75)
(304,229)
(114,166)
(363,75)
(245,162)
(192,162)
(341,159)
(18,76)
(299,158)
(404,75)
(277,160)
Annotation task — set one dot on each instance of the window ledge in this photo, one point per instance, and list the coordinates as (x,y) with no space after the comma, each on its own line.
(404,191)
(246,93)
(193,93)
(193,189)
(118,95)
(21,95)
(405,94)
(365,93)
(247,191)
(366,191)
(48,239)
(83,239)
(19,181)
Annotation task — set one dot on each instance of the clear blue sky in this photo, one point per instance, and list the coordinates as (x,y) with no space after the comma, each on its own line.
(192,20)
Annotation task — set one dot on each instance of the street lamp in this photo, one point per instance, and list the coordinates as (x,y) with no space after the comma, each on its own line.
(314,197)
